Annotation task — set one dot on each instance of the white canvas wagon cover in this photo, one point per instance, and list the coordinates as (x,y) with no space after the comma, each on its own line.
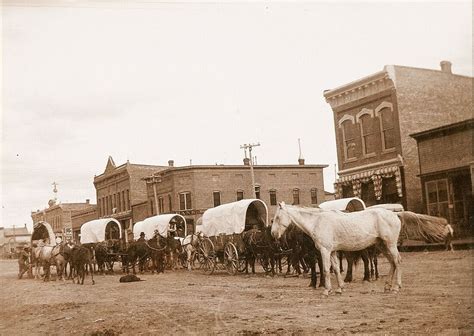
(94,231)
(231,217)
(350,204)
(160,223)
(44,231)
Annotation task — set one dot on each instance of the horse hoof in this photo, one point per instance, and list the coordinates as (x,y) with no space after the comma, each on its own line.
(386,290)
(338,291)
(325,293)
(93,282)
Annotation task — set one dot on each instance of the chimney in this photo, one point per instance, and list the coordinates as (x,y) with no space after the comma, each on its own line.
(446,66)
(171,163)
(88,201)
(301,162)
(247,161)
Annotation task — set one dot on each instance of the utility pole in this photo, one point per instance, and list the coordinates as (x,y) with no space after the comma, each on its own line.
(249,147)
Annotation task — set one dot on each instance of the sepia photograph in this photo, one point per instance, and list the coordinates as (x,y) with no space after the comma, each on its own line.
(236,167)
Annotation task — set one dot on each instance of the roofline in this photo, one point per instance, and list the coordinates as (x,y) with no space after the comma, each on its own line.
(451,127)
(125,165)
(345,87)
(197,167)
(432,70)
(378,75)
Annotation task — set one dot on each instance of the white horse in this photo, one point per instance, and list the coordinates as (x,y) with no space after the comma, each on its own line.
(44,255)
(334,231)
(190,245)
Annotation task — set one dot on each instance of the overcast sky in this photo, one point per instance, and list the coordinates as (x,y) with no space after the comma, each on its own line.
(150,81)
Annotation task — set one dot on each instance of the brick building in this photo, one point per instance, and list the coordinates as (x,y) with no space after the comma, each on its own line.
(374,117)
(190,190)
(59,216)
(446,172)
(119,189)
(80,217)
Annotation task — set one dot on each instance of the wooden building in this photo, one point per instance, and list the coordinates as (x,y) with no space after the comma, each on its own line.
(446,172)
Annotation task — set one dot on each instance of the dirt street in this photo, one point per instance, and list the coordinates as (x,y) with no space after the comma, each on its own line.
(436,299)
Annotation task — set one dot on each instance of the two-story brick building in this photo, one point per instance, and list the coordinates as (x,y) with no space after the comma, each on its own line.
(120,188)
(59,215)
(80,217)
(374,117)
(447,172)
(190,190)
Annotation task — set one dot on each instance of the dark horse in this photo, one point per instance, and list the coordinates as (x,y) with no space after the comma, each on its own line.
(157,247)
(81,257)
(304,252)
(259,244)
(137,251)
(368,256)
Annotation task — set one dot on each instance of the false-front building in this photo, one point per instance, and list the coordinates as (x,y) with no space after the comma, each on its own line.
(190,190)
(120,188)
(374,117)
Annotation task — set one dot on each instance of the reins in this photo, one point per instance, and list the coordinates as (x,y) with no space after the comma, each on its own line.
(153,248)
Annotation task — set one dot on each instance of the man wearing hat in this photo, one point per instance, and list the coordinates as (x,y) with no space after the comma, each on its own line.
(142,237)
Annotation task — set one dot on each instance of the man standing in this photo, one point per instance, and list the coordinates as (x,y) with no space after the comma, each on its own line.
(24,263)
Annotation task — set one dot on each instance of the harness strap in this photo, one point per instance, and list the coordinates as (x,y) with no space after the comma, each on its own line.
(154,249)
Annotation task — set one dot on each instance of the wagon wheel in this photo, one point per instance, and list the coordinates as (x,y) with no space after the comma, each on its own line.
(206,256)
(231,258)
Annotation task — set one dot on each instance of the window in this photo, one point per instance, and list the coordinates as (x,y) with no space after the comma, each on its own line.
(123,201)
(314,196)
(368,131)
(273,197)
(240,195)
(170,203)
(127,199)
(257,192)
(161,204)
(296,196)
(437,198)
(152,207)
(349,138)
(119,203)
(217,198)
(185,201)
(387,129)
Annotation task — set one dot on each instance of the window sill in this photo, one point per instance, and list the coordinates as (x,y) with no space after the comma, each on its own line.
(390,150)
(370,155)
(350,160)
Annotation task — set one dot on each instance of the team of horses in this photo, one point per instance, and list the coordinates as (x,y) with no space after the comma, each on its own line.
(311,237)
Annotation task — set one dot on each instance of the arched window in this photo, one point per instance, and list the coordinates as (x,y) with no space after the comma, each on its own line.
(387,128)
(368,131)
(349,138)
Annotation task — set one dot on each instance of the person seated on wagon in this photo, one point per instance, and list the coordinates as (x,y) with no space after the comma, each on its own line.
(142,237)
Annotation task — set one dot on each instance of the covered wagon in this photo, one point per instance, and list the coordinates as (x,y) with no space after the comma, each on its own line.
(161,224)
(43,231)
(222,227)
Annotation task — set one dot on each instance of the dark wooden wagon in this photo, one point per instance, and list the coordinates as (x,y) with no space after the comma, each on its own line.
(222,247)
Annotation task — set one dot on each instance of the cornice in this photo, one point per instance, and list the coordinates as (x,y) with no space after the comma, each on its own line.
(359,89)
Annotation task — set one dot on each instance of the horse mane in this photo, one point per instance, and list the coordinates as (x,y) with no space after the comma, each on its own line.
(415,226)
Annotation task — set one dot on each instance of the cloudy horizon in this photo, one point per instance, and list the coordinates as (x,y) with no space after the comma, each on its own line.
(154,81)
